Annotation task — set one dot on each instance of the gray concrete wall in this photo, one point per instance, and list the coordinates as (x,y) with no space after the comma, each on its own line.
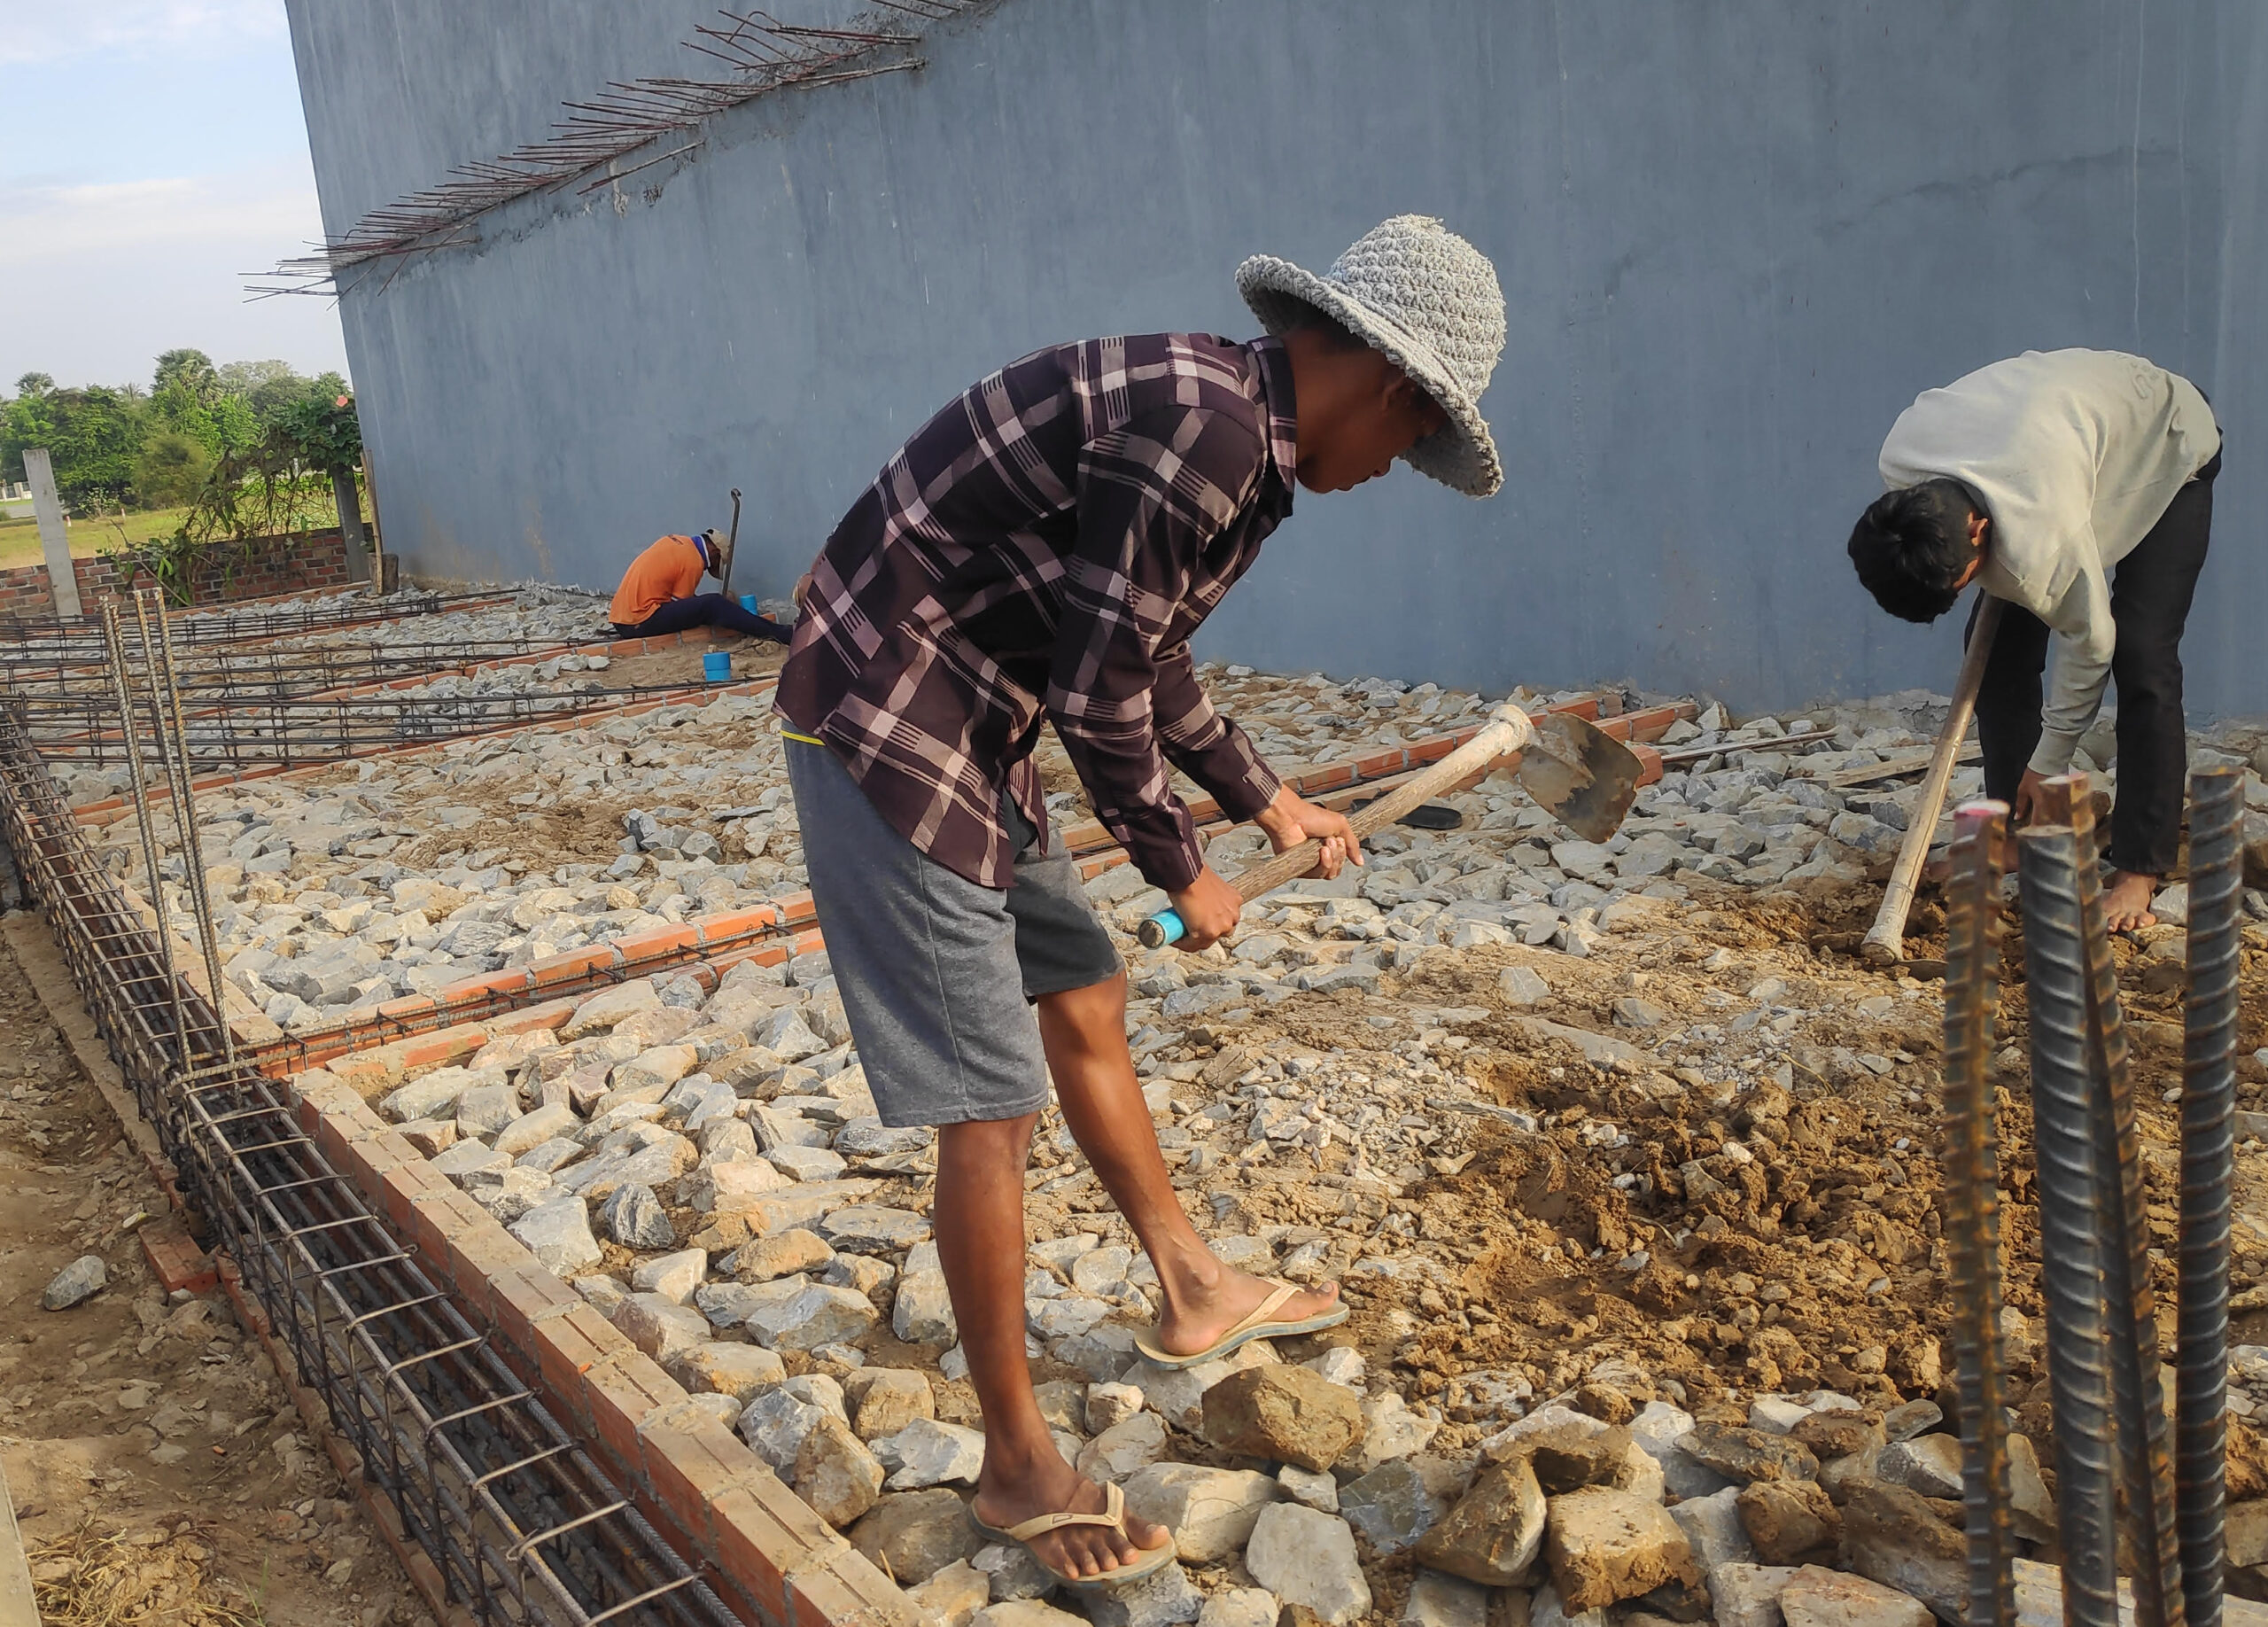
(1736,241)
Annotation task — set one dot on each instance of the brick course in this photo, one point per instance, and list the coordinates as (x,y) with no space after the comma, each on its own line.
(310,561)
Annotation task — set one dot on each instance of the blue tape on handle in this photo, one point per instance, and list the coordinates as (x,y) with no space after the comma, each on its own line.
(1168,923)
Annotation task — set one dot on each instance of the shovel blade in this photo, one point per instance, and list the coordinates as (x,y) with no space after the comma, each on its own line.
(1583,778)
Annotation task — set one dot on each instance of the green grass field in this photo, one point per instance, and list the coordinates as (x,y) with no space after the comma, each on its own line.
(20,538)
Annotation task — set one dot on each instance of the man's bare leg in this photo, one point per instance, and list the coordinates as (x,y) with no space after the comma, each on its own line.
(981,1244)
(2126,901)
(1084,1031)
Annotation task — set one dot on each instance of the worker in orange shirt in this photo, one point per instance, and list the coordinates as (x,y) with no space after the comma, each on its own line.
(657,595)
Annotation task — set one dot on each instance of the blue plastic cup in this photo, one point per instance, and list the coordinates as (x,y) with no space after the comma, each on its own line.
(748,604)
(716,665)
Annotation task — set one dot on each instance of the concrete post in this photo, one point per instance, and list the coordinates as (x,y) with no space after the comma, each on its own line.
(350,524)
(54,540)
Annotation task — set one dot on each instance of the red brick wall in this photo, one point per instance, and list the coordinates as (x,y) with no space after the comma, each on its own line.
(314,560)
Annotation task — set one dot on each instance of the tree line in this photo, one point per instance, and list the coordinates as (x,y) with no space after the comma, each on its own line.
(124,446)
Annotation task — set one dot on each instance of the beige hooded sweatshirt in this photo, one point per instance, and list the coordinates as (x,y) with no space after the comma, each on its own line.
(2074,454)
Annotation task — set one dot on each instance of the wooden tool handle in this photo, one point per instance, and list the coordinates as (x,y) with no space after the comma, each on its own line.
(1885,944)
(1507,731)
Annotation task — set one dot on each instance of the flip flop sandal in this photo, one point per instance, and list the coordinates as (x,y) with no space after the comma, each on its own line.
(1113,1517)
(1257,1326)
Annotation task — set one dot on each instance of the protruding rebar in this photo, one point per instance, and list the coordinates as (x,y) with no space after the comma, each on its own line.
(173,752)
(121,692)
(1972,1204)
(2207,1168)
(2145,1432)
(2071,1225)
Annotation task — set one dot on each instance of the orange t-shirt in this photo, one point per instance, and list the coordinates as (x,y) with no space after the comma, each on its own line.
(670,568)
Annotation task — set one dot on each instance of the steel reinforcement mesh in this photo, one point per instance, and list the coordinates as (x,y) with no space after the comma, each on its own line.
(520,1522)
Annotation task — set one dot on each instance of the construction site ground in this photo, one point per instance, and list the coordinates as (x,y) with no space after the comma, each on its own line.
(159,1472)
(1620,1137)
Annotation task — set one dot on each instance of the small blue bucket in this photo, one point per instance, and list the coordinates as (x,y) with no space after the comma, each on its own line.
(716,665)
(748,604)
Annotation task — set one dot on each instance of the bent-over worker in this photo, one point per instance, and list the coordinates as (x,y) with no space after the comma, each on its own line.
(657,593)
(1041,552)
(2077,486)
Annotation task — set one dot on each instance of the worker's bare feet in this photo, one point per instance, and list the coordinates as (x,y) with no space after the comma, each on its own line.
(1009,1494)
(1196,1317)
(2126,901)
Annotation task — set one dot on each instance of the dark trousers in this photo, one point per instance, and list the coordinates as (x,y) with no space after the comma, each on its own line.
(706,610)
(2150,590)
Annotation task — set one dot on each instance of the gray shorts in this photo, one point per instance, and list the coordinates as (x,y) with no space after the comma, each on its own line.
(937,973)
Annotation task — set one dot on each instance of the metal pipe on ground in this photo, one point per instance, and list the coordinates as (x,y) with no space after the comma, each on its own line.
(2144,1432)
(1972,1206)
(2208,1171)
(2072,1224)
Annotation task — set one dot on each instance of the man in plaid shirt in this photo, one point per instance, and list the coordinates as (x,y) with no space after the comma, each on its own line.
(1042,551)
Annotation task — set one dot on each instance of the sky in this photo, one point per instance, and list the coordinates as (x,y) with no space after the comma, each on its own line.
(155,155)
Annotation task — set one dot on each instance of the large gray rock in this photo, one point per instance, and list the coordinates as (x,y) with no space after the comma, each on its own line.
(1124,1449)
(1211,1512)
(1892,1536)
(1436,1601)
(1165,1598)
(609,1007)
(953,1596)
(674,1276)
(1749,1595)
(928,1454)
(835,1473)
(662,1327)
(633,1216)
(1241,1607)
(1657,1427)
(738,1371)
(1494,1532)
(817,1315)
(1818,1597)
(1712,1525)
(774,1424)
(1929,1464)
(871,1228)
(1397,1503)
(1283,1413)
(1606,1545)
(885,1401)
(914,1534)
(923,1313)
(1306,1557)
(558,1233)
(79,1281)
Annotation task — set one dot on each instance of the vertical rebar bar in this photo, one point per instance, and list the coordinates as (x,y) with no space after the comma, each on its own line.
(114,643)
(2071,1225)
(1972,1205)
(173,752)
(2144,1430)
(2207,1169)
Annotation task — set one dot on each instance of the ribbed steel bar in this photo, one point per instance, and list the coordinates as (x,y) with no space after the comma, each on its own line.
(114,641)
(2145,1434)
(173,755)
(2208,1172)
(2072,1226)
(1972,1205)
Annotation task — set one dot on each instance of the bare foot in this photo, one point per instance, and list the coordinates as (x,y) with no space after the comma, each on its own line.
(1006,1497)
(2126,901)
(1194,1319)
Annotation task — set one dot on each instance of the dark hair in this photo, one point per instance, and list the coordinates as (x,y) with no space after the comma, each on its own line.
(1911,546)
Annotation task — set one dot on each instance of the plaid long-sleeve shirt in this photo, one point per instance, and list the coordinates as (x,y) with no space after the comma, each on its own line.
(1042,549)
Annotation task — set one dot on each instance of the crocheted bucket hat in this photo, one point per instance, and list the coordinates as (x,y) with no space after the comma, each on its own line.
(1426,300)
